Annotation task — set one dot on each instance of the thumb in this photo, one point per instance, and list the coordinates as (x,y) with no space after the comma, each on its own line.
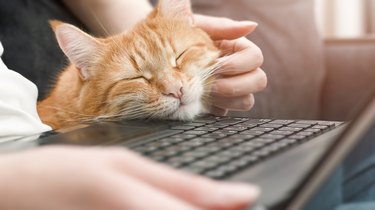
(224,28)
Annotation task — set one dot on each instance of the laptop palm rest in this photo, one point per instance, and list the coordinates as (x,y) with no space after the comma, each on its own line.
(278,177)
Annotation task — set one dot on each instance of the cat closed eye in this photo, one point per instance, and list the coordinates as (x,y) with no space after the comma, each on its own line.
(180,57)
(141,77)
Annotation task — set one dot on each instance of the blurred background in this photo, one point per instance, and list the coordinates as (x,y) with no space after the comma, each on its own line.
(346,18)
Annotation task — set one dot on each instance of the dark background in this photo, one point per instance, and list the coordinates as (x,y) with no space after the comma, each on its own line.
(30,47)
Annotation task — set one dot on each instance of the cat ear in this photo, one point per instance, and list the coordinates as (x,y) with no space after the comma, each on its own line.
(176,9)
(79,47)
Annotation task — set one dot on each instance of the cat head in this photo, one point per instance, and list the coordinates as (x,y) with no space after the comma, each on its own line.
(160,69)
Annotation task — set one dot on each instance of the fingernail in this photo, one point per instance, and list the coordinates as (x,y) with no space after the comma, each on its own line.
(239,193)
(249,23)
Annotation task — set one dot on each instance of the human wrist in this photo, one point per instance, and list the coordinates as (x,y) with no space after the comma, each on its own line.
(109,17)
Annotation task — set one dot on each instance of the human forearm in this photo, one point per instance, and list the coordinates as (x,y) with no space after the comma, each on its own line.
(108,17)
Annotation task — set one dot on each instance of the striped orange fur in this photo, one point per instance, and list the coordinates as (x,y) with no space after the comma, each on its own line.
(160,69)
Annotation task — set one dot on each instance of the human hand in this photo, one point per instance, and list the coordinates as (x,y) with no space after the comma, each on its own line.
(63,178)
(240,74)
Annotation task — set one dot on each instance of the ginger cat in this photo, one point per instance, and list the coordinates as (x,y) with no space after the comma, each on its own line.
(160,69)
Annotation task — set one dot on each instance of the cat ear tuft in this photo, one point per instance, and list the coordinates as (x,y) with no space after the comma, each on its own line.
(54,24)
(79,47)
(176,9)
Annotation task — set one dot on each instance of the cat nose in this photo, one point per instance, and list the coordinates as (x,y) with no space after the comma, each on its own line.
(174,90)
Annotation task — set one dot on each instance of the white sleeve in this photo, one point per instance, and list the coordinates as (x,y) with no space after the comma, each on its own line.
(18,99)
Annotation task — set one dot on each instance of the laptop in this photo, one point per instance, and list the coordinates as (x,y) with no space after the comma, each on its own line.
(288,159)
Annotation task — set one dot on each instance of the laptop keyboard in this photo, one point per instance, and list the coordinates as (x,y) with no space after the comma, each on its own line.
(219,147)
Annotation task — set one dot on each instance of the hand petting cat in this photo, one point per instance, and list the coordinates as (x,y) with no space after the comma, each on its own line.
(240,72)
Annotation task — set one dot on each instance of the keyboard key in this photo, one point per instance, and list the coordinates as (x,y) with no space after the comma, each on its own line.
(284,133)
(205,121)
(329,124)
(192,169)
(231,153)
(216,125)
(206,117)
(215,135)
(262,129)
(282,122)
(236,128)
(198,133)
(195,124)
(218,118)
(257,121)
(227,169)
(294,129)
(271,125)
(256,143)
(215,174)
(205,140)
(287,141)
(229,121)
(249,159)
(246,125)
(306,122)
(212,129)
(182,127)
(227,132)
(145,149)
(272,136)
(174,140)
(232,140)
(217,159)
(184,136)
(208,148)
(272,148)
(165,153)
(243,149)
(174,164)
(241,136)
(295,125)
(159,144)
(195,154)
(192,143)
(157,157)
(278,146)
(305,133)
(252,132)
(321,127)
(222,145)
(181,160)
(262,153)
(204,164)
(179,148)
(313,130)
(241,118)
(239,163)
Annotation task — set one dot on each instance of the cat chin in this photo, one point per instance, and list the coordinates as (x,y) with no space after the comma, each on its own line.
(187,112)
